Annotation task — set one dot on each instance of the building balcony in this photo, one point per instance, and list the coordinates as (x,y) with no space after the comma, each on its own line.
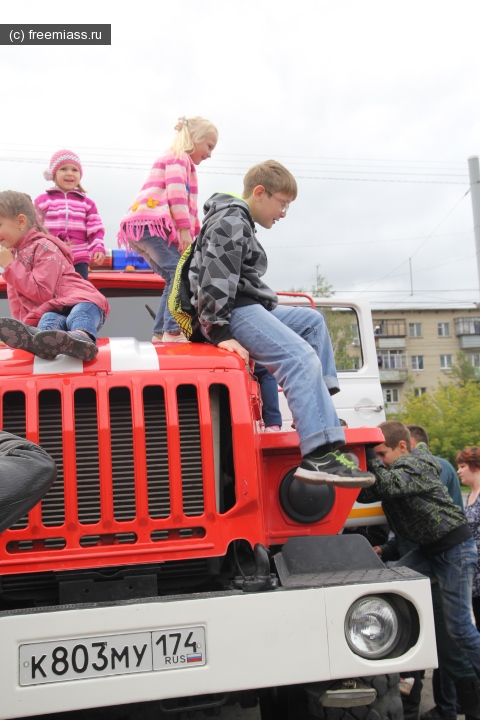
(393,375)
(391,343)
(469,342)
(467,326)
(390,328)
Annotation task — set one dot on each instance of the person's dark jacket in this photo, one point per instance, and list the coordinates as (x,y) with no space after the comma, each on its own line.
(396,547)
(227,266)
(415,501)
(26,474)
(449,478)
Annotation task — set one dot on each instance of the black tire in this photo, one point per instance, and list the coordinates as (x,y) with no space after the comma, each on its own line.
(292,703)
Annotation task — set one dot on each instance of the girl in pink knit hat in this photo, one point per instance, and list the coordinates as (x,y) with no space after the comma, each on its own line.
(163,220)
(68,214)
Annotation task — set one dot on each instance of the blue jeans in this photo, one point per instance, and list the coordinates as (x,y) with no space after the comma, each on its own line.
(82,269)
(453,665)
(269,389)
(83,316)
(163,259)
(294,345)
(453,569)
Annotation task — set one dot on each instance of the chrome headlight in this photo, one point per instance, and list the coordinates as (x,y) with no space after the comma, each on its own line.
(371,627)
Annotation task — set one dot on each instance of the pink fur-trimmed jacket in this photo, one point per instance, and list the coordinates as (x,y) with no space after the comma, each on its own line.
(166,203)
(42,279)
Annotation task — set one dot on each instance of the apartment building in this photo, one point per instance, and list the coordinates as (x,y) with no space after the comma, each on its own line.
(417,347)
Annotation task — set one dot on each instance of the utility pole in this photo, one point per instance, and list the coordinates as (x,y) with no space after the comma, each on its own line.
(474,172)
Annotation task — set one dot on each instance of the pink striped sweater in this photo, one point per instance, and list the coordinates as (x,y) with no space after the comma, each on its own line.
(166,203)
(73,218)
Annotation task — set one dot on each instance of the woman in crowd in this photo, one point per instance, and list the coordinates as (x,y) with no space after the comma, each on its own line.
(468,461)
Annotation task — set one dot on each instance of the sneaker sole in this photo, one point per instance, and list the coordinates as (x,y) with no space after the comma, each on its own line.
(50,343)
(317,477)
(15,334)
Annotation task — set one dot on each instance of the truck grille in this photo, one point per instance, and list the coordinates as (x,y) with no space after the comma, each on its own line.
(132,465)
(50,424)
(122,454)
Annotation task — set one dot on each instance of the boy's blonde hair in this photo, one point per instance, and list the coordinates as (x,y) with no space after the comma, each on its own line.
(13,204)
(273,176)
(190,131)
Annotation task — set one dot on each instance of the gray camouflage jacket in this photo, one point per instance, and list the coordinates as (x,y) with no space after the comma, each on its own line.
(416,502)
(227,266)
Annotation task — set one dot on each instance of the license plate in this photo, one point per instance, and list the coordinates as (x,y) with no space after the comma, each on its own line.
(153,650)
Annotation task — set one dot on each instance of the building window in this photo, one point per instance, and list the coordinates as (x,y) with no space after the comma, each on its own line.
(419,391)
(417,362)
(446,362)
(415,329)
(392,360)
(475,359)
(391,395)
(443,329)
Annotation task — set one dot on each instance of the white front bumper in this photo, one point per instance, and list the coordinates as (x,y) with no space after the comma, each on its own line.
(283,637)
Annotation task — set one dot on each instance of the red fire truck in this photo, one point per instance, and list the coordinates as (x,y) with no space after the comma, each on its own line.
(176,564)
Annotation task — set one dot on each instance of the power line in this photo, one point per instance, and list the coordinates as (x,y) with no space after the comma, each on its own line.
(218,154)
(427,238)
(434,267)
(363,242)
(417,302)
(350,179)
(419,292)
(217,170)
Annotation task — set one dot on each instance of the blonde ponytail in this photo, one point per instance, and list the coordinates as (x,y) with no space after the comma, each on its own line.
(190,131)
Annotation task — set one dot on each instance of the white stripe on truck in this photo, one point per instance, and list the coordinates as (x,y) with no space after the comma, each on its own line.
(130,354)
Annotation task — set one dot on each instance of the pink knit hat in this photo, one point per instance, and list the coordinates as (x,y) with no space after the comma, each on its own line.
(61,157)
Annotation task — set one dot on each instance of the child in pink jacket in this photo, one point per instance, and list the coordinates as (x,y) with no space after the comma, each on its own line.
(66,212)
(54,310)
(163,220)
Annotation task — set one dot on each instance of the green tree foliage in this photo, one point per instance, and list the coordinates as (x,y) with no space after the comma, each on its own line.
(343,330)
(342,326)
(463,370)
(322,288)
(451,416)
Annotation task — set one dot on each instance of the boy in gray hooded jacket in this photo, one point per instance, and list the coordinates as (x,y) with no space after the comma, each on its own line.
(238,312)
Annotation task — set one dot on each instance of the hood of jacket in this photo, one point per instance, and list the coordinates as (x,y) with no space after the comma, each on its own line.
(34,233)
(219,202)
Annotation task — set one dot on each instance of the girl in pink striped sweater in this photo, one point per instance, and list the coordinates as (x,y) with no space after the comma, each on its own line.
(163,220)
(68,214)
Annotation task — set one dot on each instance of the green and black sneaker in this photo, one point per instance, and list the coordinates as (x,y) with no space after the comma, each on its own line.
(334,468)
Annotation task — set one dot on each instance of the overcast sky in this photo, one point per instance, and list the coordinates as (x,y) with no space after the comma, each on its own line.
(374,105)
